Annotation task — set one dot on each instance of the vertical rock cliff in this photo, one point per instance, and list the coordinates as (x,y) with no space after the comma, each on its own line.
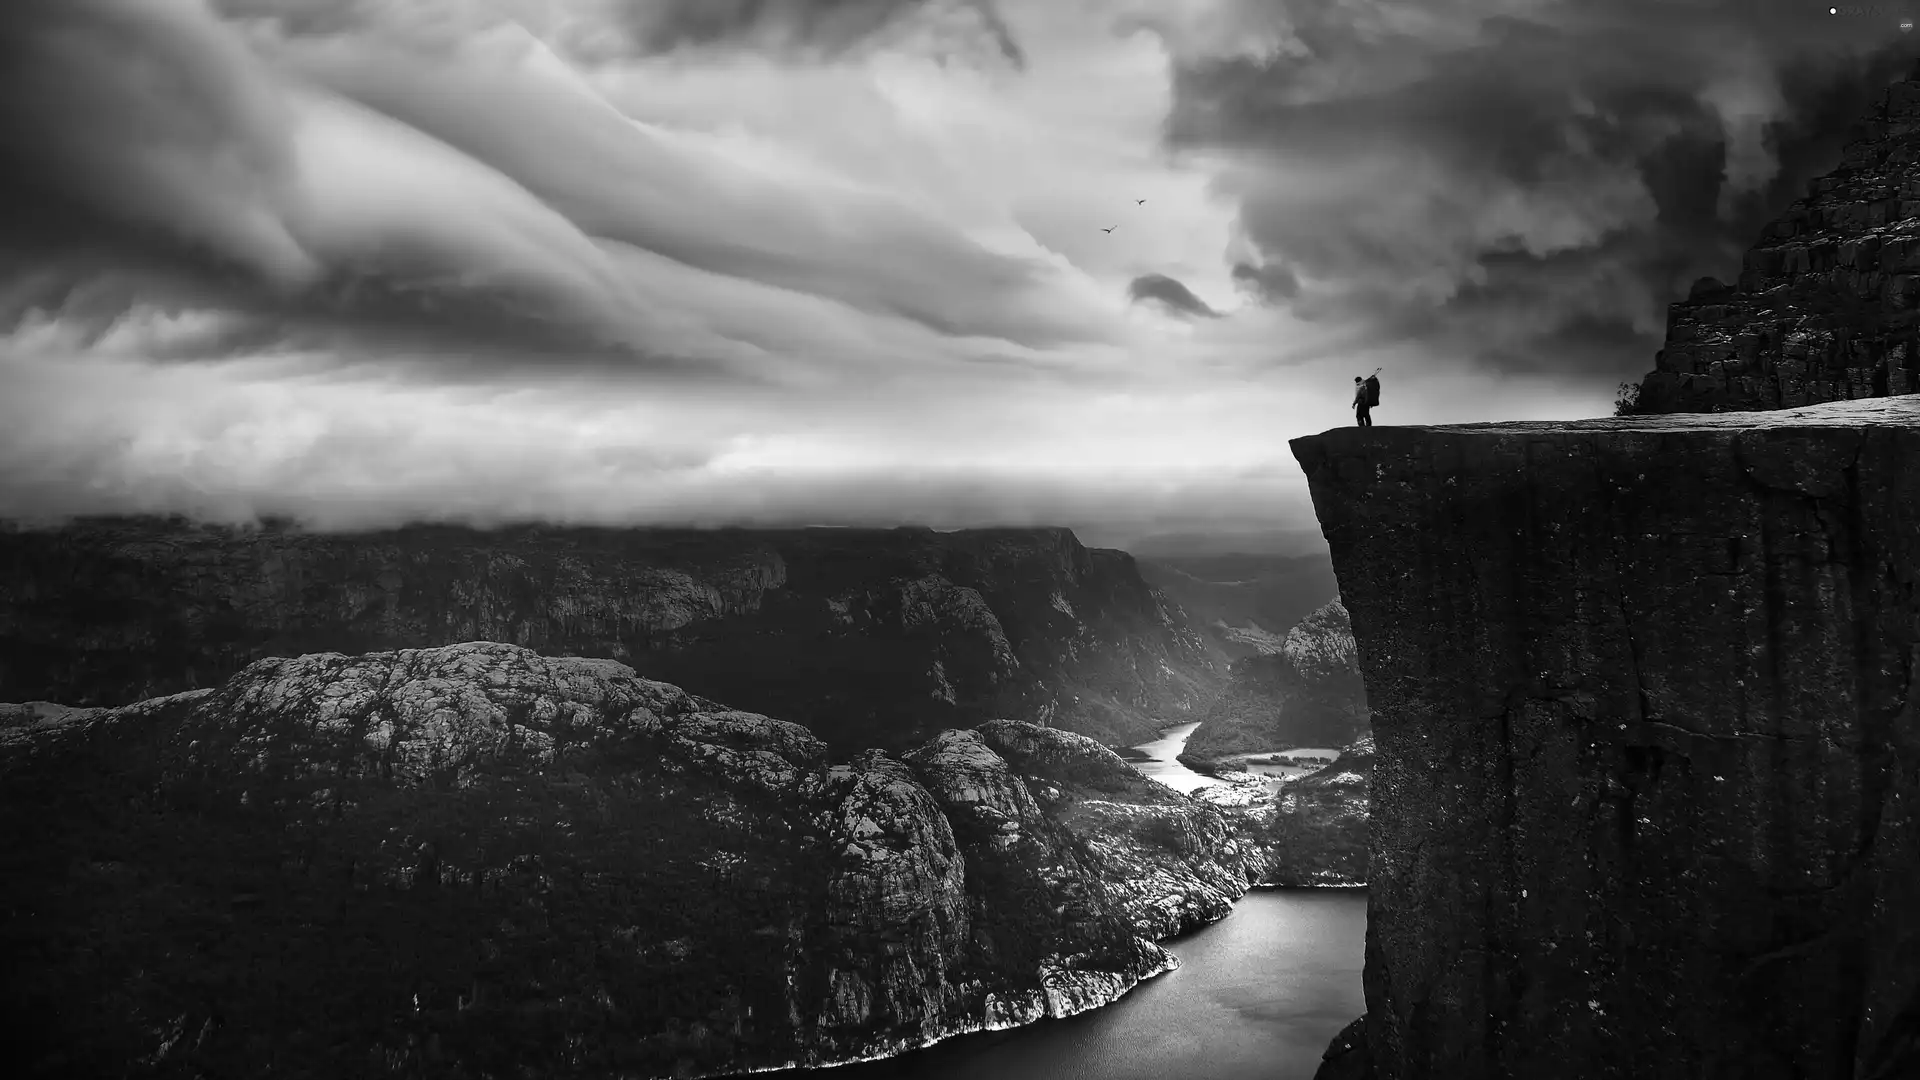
(1646,801)
(1824,307)
(869,637)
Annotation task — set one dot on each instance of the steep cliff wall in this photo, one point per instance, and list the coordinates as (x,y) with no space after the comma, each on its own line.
(1647,794)
(871,638)
(1825,305)
(475,860)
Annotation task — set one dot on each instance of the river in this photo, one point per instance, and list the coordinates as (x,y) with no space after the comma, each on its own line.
(1164,768)
(1258,996)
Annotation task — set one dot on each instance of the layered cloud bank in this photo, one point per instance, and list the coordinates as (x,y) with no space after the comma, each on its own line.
(626,261)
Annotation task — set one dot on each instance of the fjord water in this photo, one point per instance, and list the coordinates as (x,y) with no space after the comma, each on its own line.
(1258,996)
(1163,766)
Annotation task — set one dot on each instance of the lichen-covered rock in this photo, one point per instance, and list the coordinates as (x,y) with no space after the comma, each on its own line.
(1824,307)
(867,637)
(1646,799)
(1169,862)
(969,779)
(476,859)
(898,878)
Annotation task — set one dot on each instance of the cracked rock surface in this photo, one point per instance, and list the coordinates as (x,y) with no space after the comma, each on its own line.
(1646,797)
(478,860)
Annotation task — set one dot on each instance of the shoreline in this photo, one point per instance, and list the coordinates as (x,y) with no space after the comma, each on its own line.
(1136,757)
(980,1027)
(989,1026)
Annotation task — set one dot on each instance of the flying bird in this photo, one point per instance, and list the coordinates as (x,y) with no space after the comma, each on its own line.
(1139,202)
(1108,230)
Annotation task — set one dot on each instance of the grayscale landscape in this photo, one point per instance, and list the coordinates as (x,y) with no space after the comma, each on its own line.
(960,539)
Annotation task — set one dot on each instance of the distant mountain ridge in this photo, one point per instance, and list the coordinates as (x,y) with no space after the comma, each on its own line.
(869,637)
(1244,603)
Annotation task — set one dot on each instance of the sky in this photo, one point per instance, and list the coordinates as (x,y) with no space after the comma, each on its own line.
(368,262)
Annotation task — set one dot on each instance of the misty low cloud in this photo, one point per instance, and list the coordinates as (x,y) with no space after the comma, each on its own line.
(102,433)
(101,430)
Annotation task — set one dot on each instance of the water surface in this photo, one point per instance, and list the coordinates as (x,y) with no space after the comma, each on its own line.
(1170,745)
(1258,996)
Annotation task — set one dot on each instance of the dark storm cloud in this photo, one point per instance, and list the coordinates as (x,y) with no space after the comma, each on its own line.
(1171,292)
(1530,183)
(823,27)
(1271,281)
(820,30)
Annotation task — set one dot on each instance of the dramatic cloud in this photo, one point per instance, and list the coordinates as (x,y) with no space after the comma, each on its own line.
(1526,182)
(329,176)
(371,261)
(825,27)
(1171,292)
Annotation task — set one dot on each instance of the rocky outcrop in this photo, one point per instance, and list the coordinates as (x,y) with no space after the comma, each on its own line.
(1308,694)
(1646,801)
(869,638)
(1825,305)
(479,860)
(1317,835)
(1171,863)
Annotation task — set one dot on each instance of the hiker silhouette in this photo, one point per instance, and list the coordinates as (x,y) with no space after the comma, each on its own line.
(1366,394)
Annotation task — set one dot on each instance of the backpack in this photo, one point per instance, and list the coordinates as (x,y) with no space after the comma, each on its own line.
(1373,391)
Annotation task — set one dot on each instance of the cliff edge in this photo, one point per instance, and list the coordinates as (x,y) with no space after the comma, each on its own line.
(1646,799)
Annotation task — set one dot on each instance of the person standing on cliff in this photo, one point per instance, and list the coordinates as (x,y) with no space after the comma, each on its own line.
(1366,394)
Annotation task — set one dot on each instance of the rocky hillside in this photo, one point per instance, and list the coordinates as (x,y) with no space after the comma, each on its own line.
(1309,693)
(1825,306)
(1243,603)
(477,860)
(1318,832)
(870,638)
(1646,798)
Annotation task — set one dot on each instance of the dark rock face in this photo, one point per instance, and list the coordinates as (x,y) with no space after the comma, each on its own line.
(477,860)
(870,638)
(1310,693)
(1647,795)
(1825,306)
